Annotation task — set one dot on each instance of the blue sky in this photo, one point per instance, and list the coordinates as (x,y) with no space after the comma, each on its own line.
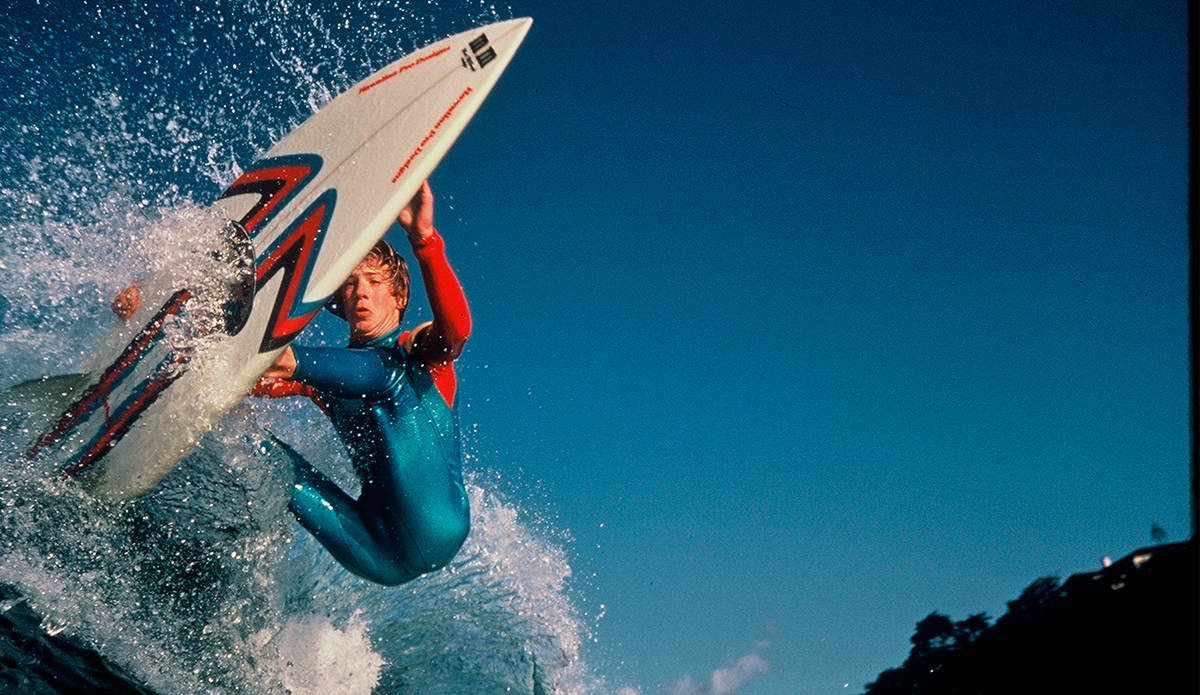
(807,319)
(802,319)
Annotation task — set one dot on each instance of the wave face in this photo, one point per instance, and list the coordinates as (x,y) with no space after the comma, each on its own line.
(120,124)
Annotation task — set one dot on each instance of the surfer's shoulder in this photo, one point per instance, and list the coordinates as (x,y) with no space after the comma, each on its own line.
(408,339)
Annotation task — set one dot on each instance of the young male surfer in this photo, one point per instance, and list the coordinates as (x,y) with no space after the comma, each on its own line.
(390,396)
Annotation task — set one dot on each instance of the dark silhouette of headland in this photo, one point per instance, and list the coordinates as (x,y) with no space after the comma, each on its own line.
(1130,627)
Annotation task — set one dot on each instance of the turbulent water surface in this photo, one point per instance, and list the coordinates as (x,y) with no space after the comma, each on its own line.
(120,123)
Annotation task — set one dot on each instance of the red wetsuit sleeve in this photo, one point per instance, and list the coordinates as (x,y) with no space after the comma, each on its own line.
(441,343)
(267,387)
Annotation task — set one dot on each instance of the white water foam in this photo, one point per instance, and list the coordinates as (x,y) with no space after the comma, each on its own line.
(206,585)
(319,659)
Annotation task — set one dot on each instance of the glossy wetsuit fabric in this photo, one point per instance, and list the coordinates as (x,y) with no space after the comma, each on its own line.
(402,436)
(390,402)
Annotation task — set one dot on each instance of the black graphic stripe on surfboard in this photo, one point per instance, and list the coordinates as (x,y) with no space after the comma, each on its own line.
(113,376)
(275,180)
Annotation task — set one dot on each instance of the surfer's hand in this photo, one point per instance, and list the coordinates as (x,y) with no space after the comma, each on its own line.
(126,302)
(284,366)
(417,216)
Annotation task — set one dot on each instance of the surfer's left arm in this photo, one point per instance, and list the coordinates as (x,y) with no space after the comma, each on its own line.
(443,341)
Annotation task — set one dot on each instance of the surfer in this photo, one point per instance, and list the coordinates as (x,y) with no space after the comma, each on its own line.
(390,396)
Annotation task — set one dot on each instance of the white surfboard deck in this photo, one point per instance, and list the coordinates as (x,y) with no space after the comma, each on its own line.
(312,207)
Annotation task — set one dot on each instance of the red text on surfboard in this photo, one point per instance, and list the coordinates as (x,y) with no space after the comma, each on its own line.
(432,132)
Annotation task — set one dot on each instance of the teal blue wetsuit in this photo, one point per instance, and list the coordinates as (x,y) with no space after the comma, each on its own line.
(391,402)
(412,515)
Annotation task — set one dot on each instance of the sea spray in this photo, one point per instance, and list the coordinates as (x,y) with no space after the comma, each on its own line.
(206,585)
(122,122)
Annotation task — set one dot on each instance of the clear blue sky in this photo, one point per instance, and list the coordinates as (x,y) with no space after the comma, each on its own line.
(802,319)
(827,315)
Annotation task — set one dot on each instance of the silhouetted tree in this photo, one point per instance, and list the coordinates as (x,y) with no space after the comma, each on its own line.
(1037,593)
(967,629)
(935,641)
(1127,628)
(935,631)
(894,681)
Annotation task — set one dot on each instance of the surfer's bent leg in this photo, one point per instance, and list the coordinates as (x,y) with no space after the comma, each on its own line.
(415,489)
(333,518)
(413,513)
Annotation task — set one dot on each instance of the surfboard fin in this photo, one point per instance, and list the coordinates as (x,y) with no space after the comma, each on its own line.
(45,394)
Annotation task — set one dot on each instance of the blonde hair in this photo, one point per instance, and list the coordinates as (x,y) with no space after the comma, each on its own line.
(394,269)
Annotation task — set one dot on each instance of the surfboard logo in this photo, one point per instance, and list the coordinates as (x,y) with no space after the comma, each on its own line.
(480,53)
(432,132)
(407,66)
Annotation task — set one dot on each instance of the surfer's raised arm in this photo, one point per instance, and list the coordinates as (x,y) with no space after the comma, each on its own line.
(442,341)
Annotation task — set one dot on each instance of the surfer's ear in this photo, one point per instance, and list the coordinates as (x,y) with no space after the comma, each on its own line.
(401,305)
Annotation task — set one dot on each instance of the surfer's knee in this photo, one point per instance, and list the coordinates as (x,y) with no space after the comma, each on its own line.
(442,541)
(436,551)
(433,548)
(387,575)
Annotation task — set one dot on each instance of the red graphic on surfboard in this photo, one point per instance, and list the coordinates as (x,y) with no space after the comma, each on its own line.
(276,181)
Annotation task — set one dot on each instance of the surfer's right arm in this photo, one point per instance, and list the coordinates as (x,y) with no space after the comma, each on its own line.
(443,341)
(277,382)
(440,342)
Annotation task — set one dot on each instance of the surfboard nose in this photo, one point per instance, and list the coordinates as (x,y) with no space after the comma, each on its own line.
(522,26)
(507,36)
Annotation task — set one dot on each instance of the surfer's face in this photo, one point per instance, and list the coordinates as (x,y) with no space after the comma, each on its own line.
(371,308)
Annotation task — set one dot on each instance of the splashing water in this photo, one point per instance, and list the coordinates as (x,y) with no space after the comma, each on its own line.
(121,122)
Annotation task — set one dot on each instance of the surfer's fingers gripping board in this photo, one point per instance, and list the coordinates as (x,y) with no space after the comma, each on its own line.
(305,213)
(417,217)
(283,367)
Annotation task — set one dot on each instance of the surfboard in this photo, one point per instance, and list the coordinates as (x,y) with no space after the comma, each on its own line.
(302,216)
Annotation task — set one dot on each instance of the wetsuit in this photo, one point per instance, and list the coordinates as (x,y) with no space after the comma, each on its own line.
(391,402)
